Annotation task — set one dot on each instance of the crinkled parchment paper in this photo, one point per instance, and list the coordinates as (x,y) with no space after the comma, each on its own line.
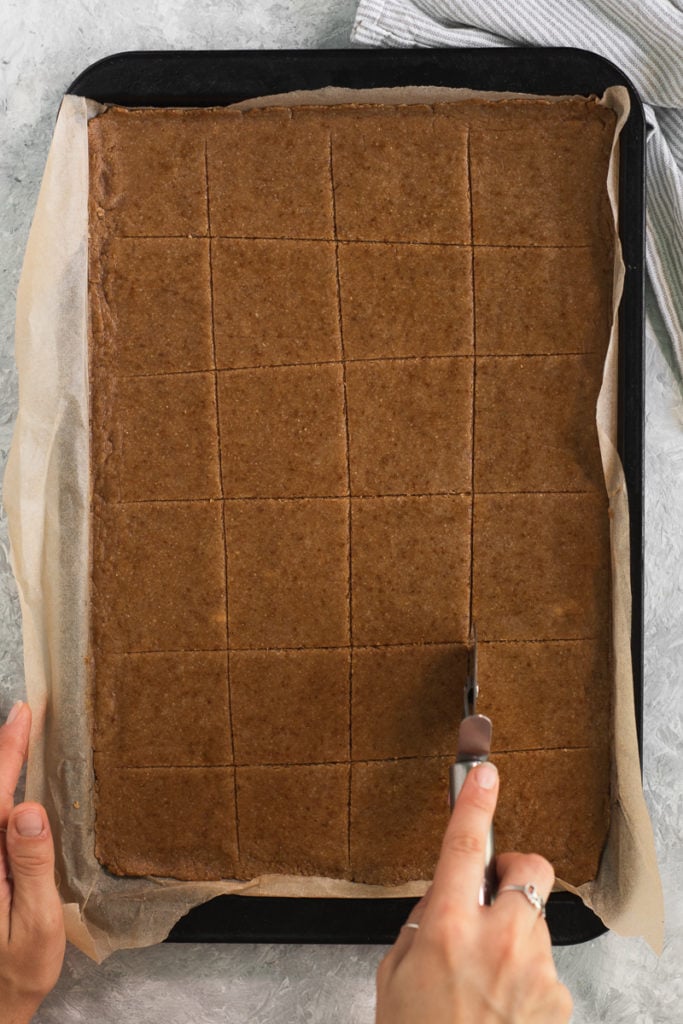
(47,497)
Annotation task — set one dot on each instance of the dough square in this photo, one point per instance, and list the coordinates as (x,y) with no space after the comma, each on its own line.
(399,810)
(407,701)
(163,436)
(401,178)
(554,694)
(148,172)
(290,707)
(294,820)
(138,282)
(283,432)
(543,300)
(177,822)
(541,566)
(274,302)
(556,803)
(288,573)
(185,695)
(543,185)
(410,568)
(159,577)
(520,113)
(535,423)
(410,426)
(269,176)
(405,300)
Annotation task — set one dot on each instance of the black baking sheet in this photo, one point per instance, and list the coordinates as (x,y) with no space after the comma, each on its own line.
(221,77)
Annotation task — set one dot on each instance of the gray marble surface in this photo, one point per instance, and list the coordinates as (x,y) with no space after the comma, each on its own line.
(42,48)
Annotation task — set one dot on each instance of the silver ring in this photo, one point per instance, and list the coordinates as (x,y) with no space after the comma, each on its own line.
(411,924)
(531,893)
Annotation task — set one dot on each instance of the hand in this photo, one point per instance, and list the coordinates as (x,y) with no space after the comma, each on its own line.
(31,921)
(468,964)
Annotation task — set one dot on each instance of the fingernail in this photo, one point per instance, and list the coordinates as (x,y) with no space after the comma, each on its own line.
(14,711)
(486,775)
(29,823)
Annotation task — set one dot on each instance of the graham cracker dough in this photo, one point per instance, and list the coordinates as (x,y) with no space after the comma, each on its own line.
(343,370)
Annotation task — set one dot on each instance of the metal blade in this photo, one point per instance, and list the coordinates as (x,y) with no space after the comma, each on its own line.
(474,738)
(471,686)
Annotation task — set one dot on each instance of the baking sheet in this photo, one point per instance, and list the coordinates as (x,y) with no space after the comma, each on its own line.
(48,501)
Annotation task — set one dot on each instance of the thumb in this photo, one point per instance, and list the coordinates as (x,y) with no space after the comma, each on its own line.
(31,856)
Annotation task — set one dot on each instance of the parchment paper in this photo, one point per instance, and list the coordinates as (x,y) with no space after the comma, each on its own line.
(47,497)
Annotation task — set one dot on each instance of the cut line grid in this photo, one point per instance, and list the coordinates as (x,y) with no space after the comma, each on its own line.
(474,376)
(283,499)
(349,497)
(349,491)
(358,241)
(414,645)
(220,474)
(359,359)
(361,760)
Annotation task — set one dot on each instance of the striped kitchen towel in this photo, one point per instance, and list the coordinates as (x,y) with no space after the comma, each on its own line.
(643,37)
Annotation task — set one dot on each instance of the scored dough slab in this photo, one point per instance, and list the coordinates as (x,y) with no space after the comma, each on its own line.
(317,342)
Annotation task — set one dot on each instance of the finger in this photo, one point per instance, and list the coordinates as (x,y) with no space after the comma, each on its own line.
(408,932)
(522,869)
(460,869)
(416,914)
(31,855)
(13,746)
(36,919)
(5,892)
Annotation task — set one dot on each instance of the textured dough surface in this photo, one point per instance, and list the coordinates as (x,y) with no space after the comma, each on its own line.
(343,370)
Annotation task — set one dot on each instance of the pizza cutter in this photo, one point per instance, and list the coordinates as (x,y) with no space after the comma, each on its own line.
(474,746)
